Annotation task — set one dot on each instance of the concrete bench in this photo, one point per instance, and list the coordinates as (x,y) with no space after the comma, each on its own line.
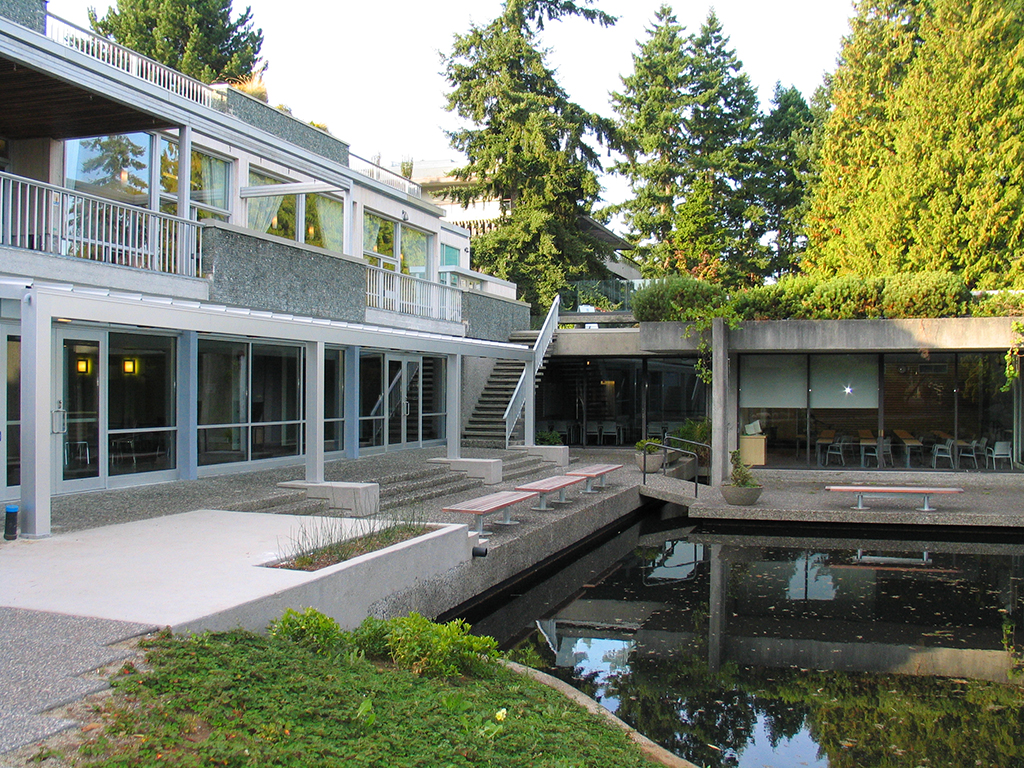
(548,486)
(594,472)
(493,502)
(882,491)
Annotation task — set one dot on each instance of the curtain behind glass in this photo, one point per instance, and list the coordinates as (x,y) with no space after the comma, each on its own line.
(331,218)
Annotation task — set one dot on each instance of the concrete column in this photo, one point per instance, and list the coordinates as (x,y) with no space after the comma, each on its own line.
(188,405)
(315,411)
(720,387)
(453,406)
(351,404)
(36,419)
(184,169)
(717,607)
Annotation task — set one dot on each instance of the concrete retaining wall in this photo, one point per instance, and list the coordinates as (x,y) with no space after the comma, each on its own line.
(347,591)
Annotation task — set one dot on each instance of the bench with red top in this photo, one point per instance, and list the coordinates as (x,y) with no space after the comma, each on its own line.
(594,472)
(882,491)
(549,485)
(493,502)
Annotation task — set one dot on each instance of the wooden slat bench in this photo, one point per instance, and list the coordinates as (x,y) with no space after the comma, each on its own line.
(548,486)
(882,491)
(494,502)
(592,472)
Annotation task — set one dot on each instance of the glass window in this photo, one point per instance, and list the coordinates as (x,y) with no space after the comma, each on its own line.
(449,256)
(272,214)
(115,167)
(334,400)
(223,381)
(325,222)
(371,398)
(13,433)
(414,252)
(378,237)
(210,183)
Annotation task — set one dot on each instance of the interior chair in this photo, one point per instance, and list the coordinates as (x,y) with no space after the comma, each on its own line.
(1000,450)
(982,450)
(943,450)
(969,452)
(838,448)
(887,451)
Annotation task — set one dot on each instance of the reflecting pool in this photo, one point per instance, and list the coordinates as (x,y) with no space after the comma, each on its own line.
(782,650)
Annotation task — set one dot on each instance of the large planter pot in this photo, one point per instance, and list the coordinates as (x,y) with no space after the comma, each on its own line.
(653,461)
(740,497)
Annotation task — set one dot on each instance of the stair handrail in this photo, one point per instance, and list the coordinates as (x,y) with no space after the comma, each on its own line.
(699,445)
(540,349)
(664,466)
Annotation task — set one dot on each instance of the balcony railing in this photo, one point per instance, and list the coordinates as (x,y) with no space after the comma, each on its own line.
(62,222)
(383,175)
(396,292)
(102,49)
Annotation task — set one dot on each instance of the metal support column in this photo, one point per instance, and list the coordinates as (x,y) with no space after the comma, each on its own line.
(315,411)
(38,416)
(453,406)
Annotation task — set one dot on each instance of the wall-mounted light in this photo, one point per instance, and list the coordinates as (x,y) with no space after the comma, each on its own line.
(405,216)
(310,232)
(130,365)
(82,365)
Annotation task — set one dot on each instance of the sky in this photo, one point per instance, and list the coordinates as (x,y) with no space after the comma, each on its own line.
(371,71)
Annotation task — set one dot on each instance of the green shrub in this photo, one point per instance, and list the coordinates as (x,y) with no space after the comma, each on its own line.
(647,446)
(428,648)
(925,294)
(311,629)
(548,438)
(783,300)
(741,475)
(999,304)
(678,297)
(845,298)
(371,637)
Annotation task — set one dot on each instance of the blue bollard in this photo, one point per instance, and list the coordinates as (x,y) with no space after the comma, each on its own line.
(11,523)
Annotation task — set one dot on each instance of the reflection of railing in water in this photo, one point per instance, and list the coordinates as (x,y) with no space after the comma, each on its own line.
(50,219)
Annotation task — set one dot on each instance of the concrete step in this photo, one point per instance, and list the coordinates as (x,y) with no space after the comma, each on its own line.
(396,500)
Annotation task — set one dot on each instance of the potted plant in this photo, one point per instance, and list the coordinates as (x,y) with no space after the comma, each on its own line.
(648,456)
(744,490)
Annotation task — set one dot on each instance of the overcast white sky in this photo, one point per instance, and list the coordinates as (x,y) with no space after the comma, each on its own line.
(371,69)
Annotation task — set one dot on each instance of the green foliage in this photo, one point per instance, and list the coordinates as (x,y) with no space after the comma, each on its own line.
(788,298)
(696,431)
(371,637)
(311,629)
(845,298)
(647,446)
(195,37)
(427,648)
(999,304)
(528,147)
(548,438)
(1012,357)
(925,294)
(741,475)
(678,298)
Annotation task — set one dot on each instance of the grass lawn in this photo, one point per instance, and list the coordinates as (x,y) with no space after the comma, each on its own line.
(239,699)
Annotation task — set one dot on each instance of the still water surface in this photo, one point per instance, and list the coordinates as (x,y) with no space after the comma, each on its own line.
(781,650)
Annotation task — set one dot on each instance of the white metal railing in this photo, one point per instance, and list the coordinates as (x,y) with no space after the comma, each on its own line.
(109,52)
(395,292)
(42,217)
(530,371)
(383,175)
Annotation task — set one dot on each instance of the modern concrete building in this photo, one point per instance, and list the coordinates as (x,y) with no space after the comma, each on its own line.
(272,299)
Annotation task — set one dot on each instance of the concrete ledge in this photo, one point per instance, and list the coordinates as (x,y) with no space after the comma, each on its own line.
(556,454)
(357,499)
(488,470)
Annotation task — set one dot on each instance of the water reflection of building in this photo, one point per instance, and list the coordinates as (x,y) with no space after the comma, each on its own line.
(926,608)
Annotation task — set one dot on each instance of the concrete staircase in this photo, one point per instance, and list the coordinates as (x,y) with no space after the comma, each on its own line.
(486,426)
(283,502)
(415,486)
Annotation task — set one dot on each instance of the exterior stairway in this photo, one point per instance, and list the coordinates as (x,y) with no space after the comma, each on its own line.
(486,426)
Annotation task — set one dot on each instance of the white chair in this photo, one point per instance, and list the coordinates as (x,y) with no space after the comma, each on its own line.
(838,448)
(887,451)
(942,450)
(982,450)
(969,452)
(1001,450)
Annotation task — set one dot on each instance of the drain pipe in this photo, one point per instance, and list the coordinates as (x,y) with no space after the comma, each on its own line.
(479,551)
(11,522)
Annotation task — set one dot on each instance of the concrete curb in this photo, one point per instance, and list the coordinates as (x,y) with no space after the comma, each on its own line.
(648,747)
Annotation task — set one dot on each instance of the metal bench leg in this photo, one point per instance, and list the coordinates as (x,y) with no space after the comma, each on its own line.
(927,506)
(860,502)
(542,504)
(590,486)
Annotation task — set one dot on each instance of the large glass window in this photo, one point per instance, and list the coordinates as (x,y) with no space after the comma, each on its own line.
(12,436)
(141,412)
(325,222)
(371,399)
(115,167)
(223,404)
(272,214)
(414,252)
(433,398)
(379,241)
(334,400)
(275,407)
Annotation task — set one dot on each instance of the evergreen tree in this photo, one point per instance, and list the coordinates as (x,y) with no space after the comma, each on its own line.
(859,135)
(719,134)
(782,177)
(528,148)
(195,37)
(650,111)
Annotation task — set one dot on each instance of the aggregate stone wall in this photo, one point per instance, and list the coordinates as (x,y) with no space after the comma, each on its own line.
(249,271)
(28,13)
(435,595)
(492,318)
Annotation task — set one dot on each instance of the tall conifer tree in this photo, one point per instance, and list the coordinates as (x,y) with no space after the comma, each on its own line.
(528,146)
(195,37)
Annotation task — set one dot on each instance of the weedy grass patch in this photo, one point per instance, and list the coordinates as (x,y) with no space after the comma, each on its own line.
(241,699)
